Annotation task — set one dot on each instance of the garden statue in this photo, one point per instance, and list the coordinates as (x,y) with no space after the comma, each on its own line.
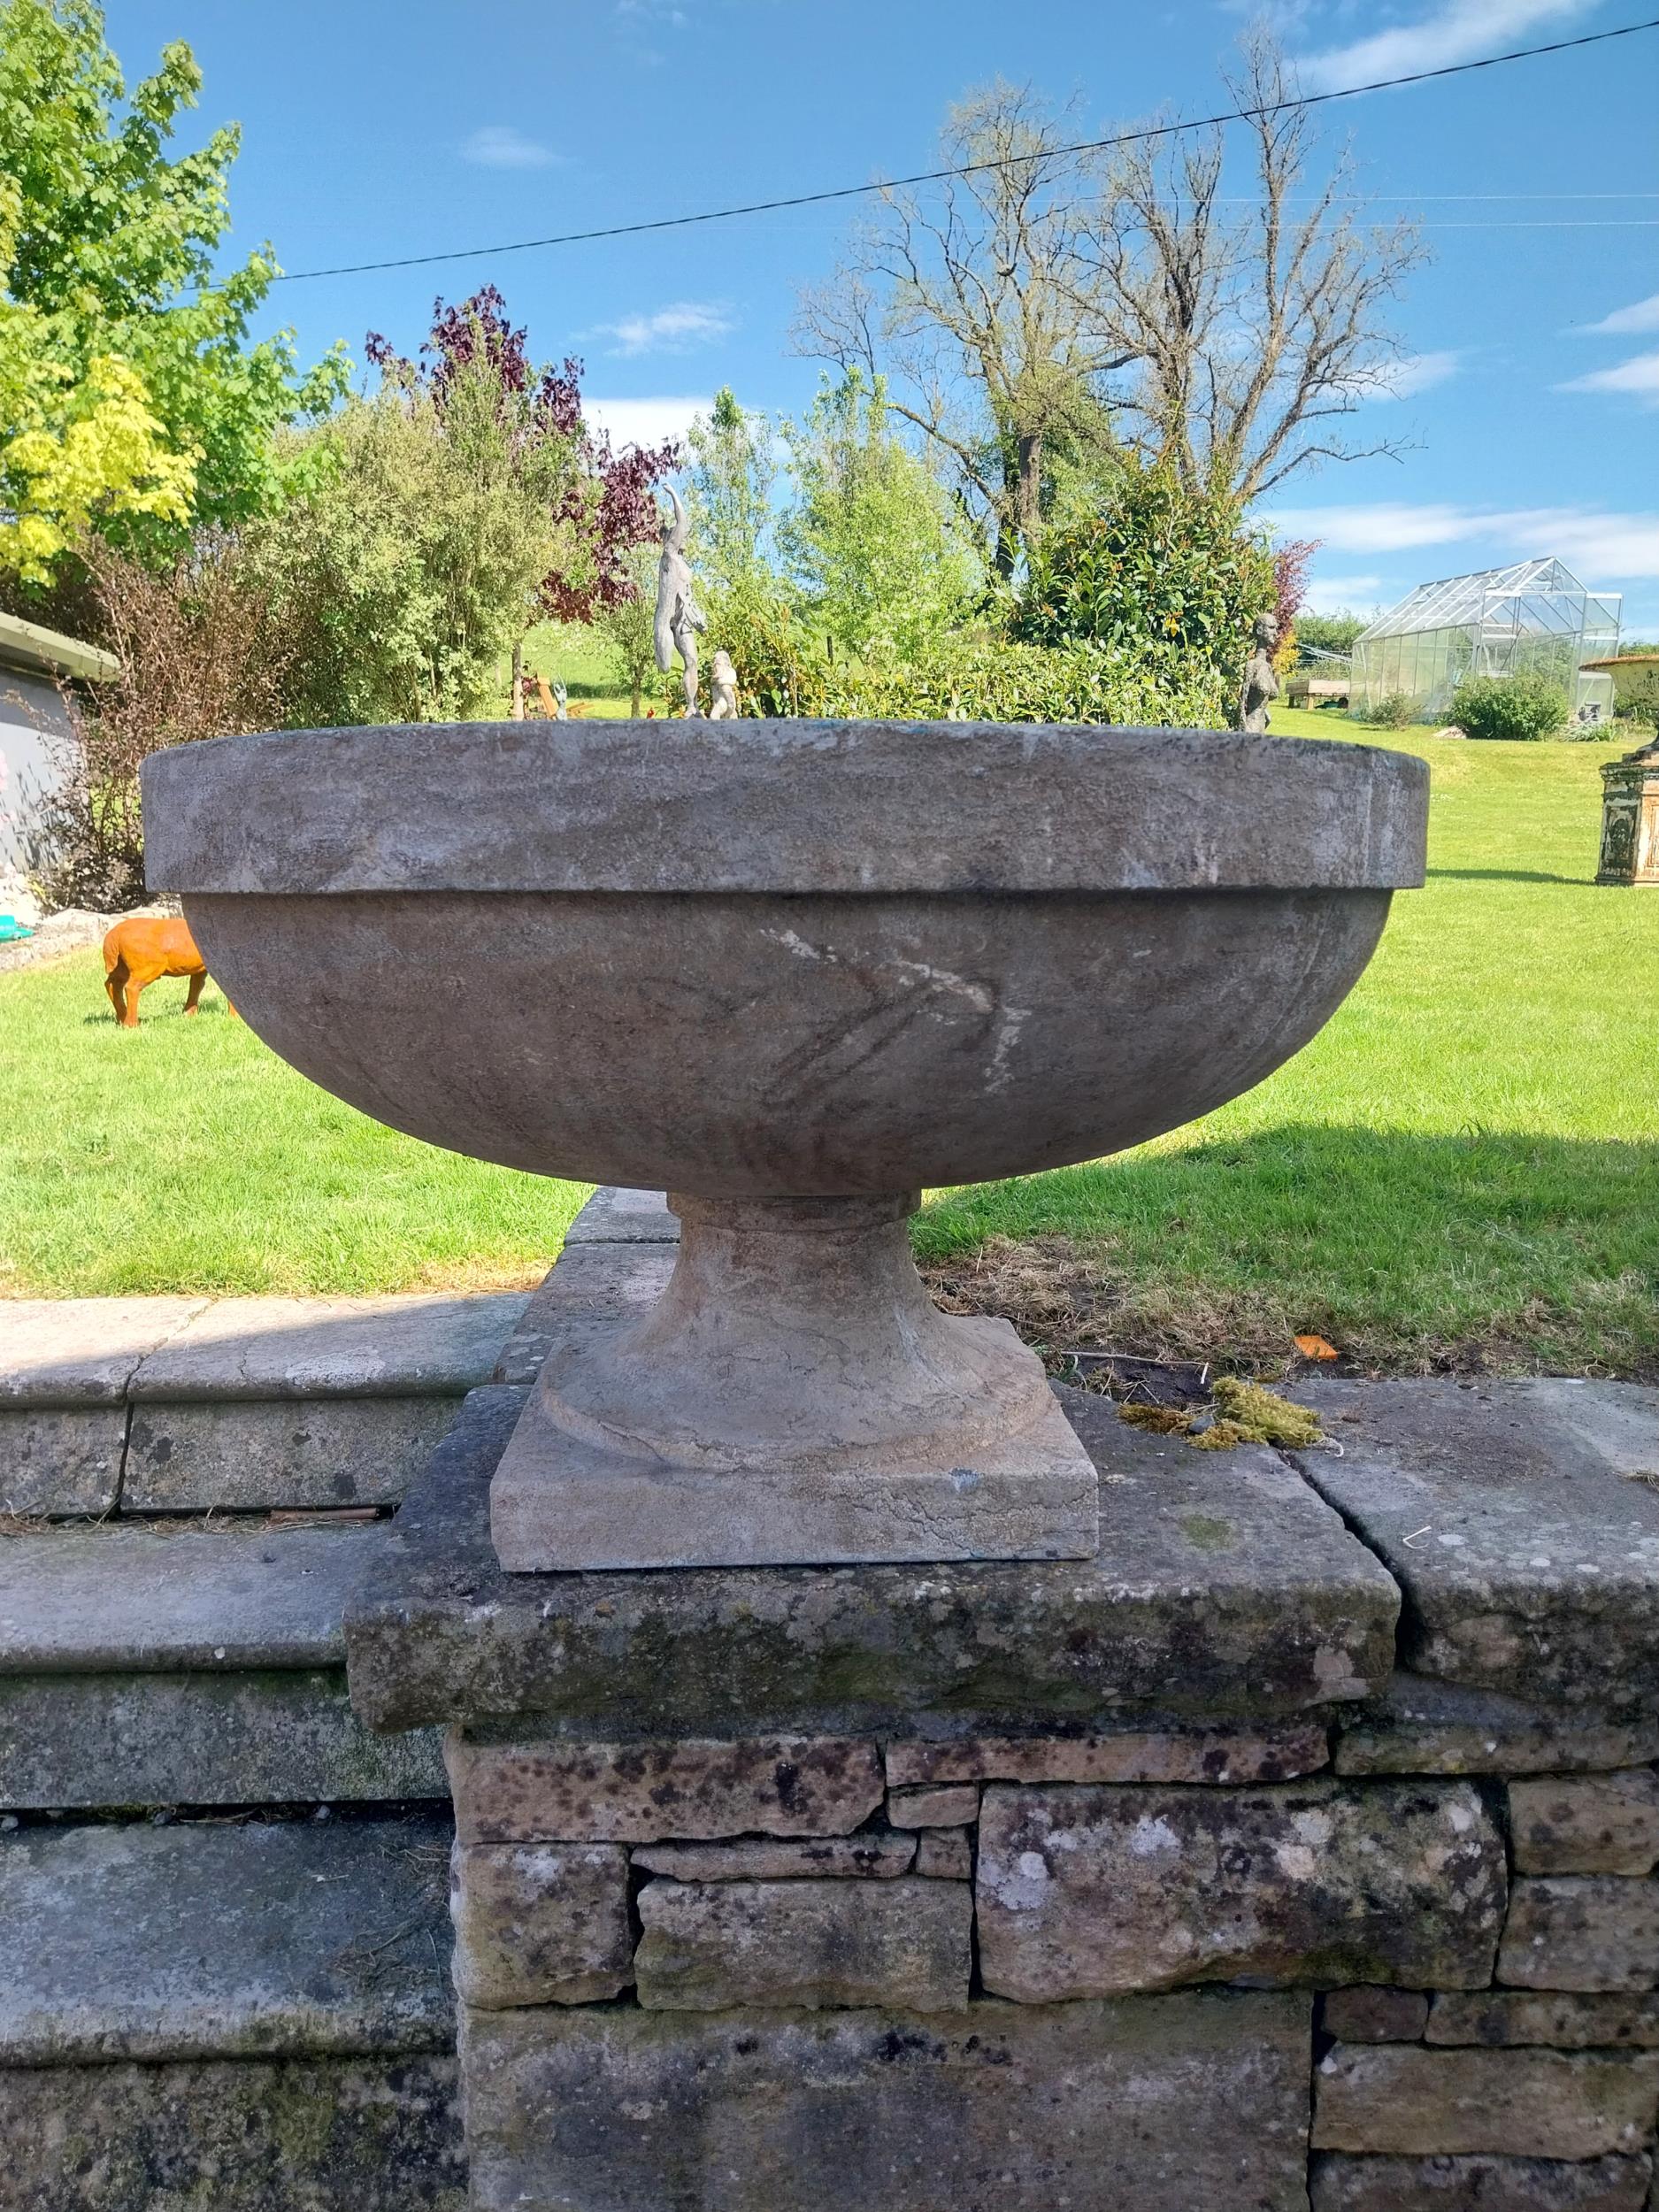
(1261,685)
(722,688)
(678,617)
(561,703)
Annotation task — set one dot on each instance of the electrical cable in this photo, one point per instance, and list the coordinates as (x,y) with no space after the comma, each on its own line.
(968,169)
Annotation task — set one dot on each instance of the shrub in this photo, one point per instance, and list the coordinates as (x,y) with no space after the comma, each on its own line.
(1391,712)
(1511,707)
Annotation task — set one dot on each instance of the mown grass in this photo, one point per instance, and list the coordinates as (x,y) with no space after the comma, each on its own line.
(1461,1170)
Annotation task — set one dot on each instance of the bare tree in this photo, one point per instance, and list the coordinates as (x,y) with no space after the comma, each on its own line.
(1254,331)
(1057,300)
(969,306)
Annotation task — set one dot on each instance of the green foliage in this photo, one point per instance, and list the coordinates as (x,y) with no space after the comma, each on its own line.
(416,555)
(1511,707)
(1153,564)
(1329,632)
(1391,712)
(132,399)
(729,496)
(628,627)
(880,558)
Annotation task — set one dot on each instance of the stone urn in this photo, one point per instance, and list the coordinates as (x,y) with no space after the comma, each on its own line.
(795,972)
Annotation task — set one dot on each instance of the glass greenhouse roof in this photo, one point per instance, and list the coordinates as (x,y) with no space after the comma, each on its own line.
(1542,596)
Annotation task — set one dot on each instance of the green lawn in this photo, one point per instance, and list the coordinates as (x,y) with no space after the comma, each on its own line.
(1462,1169)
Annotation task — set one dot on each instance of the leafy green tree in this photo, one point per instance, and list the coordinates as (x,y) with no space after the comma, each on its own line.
(628,627)
(729,496)
(878,555)
(1154,564)
(134,401)
(1329,632)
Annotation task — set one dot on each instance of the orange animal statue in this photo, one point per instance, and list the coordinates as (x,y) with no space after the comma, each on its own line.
(138,951)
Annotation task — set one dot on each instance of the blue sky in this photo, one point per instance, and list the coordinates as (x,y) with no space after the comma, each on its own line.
(374,129)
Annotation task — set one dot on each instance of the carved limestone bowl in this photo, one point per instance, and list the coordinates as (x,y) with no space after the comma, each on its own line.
(770,963)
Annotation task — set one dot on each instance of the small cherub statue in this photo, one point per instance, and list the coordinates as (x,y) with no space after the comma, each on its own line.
(1261,685)
(722,687)
(679,617)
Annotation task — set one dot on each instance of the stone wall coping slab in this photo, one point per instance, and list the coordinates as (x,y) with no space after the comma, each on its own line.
(125,1597)
(1528,1556)
(83,1351)
(1218,1592)
(616,1215)
(221,1941)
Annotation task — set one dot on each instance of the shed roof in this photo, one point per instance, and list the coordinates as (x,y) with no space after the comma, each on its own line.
(30,646)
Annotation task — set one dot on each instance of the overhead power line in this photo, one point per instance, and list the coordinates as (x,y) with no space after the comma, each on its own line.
(967,169)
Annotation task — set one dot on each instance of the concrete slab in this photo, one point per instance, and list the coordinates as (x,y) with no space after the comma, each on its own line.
(60,1461)
(593,1285)
(333,1347)
(1528,1557)
(616,1215)
(1221,1590)
(81,1351)
(80,1742)
(1158,2105)
(203,1455)
(105,1598)
(239,2135)
(209,1941)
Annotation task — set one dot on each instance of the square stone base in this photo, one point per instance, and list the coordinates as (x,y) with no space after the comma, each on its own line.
(559,1505)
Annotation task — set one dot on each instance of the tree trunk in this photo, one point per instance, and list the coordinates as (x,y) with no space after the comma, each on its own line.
(1028,489)
(639,694)
(517,708)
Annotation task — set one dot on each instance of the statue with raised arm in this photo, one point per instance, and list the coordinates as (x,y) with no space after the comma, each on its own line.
(679,617)
(1259,688)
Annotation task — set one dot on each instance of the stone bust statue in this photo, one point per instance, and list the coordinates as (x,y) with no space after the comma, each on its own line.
(679,618)
(722,687)
(1259,688)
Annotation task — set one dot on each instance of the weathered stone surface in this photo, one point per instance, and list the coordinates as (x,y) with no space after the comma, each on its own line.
(1574,2022)
(1216,1593)
(1278,1753)
(241,2135)
(1160,2105)
(194,1455)
(192,1942)
(102,1599)
(256,1737)
(1086,1890)
(616,1215)
(61,1460)
(707,1947)
(1533,1567)
(1397,2098)
(540,1924)
(876,1854)
(1477,2185)
(944,1854)
(525,1791)
(1374,2014)
(591,1286)
(83,1351)
(404,1346)
(1581,1931)
(1601,1823)
(1417,1727)
(957,1806)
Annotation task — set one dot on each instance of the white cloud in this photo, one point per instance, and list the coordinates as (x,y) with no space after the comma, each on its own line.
(1346,595)
(644,421)
(1597,545)
(1403,378)
(499,146)
(1460,30)
(671,329)
(1639,374)
(1626,322)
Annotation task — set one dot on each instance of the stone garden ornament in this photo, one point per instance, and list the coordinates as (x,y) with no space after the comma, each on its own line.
(797,973)
(679,617)
(1259,688)
(722,687)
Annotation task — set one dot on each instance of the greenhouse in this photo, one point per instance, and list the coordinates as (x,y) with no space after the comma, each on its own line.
(1534,617)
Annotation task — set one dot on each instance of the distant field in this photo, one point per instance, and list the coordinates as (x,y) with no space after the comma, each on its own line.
(1461,1169)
